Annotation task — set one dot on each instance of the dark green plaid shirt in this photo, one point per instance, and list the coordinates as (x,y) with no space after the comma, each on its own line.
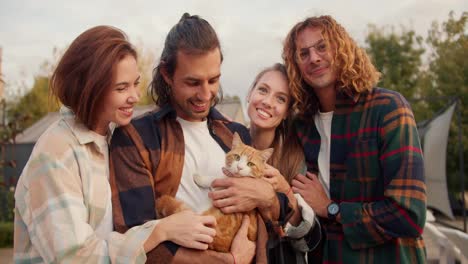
(377,177)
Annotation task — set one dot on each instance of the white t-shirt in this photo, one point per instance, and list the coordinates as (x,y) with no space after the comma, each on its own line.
(204,156)
(323,122)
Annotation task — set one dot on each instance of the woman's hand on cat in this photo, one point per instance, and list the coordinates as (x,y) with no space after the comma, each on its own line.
(311,189)
(276,179)
(188,229)
(242,248)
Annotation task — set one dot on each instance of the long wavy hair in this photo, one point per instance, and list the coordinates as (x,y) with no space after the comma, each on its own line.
(287,156)
(192,35)
(354,68)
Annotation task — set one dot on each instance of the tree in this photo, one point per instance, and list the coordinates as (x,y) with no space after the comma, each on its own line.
(398,57)
(448,71)
(36,101)
(146,60)
(35,104)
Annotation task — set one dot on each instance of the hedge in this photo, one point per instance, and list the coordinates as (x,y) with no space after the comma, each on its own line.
(6,234)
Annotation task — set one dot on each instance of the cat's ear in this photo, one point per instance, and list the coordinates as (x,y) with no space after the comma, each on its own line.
(266,154)
(236,140)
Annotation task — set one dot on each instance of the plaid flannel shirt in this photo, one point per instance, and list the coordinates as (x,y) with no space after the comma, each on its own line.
(377,177)
(136,183)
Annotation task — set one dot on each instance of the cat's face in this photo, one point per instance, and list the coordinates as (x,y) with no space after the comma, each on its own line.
(244,160)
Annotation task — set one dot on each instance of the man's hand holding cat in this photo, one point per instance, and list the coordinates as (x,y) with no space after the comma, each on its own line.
(242,249)
(243,194)
(188,229)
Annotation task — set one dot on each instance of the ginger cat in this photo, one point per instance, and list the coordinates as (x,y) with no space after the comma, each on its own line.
(241,161)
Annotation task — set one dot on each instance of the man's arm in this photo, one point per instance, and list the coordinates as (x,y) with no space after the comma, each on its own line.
(245,194)
(132,190)
(131,183)
(402,211)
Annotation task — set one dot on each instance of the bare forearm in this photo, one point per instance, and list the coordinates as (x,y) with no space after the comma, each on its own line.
(157,236)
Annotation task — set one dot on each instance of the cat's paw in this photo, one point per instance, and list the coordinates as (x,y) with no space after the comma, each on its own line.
(167,205)
(202,181)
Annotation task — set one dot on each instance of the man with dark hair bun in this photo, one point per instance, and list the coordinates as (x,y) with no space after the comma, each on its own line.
(159,154)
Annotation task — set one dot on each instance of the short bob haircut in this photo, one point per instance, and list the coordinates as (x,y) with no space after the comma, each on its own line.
(86,72)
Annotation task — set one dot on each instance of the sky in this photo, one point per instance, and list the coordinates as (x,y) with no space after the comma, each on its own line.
(251,31)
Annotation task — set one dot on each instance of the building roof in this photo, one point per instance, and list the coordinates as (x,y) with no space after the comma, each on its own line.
(230,108)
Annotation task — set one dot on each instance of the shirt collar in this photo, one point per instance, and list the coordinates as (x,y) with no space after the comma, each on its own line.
(348,93)
(82,133)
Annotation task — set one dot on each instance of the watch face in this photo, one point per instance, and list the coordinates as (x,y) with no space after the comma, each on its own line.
(333,209)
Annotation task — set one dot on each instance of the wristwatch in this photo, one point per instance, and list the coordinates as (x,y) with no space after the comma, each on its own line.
(333,209)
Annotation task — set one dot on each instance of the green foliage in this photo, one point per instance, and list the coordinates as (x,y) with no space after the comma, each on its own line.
(7,198)
(231,98)
(448,70)
(399,57)
(34,104)
(6,234)
(146,60)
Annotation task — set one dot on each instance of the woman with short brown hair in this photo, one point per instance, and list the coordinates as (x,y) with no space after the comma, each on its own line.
(63,209)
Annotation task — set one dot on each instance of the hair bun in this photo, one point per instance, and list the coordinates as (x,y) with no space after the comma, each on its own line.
(185,16)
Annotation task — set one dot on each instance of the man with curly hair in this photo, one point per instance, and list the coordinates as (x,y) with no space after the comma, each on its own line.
(365,176)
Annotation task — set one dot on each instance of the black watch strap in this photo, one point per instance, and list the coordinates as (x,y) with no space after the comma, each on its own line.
(333,209)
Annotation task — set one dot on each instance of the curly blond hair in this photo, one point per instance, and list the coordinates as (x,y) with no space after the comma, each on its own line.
(354,68)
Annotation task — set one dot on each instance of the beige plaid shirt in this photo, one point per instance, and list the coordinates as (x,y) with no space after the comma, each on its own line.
(61,199)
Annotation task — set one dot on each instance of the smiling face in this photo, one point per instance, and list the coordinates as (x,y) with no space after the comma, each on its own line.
(195,84)
(314,59)
(269,100)
(118,104)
